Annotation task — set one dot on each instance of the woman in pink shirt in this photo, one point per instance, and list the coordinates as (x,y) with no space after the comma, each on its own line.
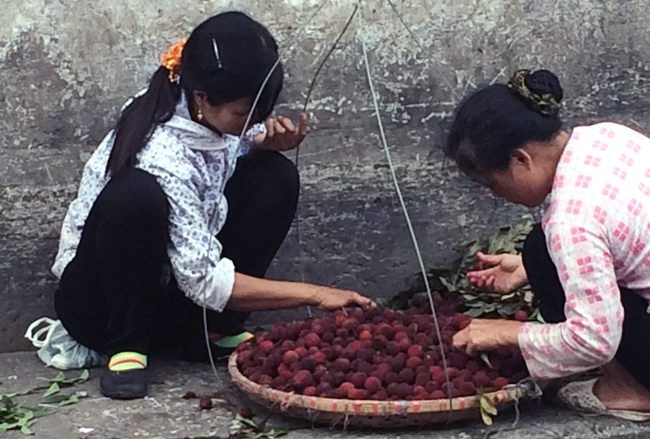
(589,260)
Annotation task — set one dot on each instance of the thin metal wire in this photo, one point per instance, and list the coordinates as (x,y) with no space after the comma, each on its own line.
(452,89)
(297,160)
(241,136)
(406,215)
(276,64)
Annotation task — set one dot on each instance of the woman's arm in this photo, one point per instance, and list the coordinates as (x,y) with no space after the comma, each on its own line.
(253,294)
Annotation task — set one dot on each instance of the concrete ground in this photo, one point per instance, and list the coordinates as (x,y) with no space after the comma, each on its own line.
(166,414)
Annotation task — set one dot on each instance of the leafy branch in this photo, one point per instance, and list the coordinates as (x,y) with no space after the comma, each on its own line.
(476,302)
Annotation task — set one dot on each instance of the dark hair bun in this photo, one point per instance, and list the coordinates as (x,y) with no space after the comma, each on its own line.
(544,82)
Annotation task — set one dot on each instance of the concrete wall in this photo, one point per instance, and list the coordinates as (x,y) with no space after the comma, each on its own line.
(67,66)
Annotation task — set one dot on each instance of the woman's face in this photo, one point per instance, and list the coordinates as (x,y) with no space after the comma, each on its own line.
(527,180)
(227,118)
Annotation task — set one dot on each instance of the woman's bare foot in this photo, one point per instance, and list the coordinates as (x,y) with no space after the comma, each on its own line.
(618,390)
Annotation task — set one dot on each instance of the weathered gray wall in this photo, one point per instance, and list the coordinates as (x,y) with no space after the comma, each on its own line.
(68,65)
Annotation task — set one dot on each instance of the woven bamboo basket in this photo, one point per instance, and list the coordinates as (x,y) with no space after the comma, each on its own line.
(368,413)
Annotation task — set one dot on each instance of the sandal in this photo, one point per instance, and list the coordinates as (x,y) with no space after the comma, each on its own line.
(579,395)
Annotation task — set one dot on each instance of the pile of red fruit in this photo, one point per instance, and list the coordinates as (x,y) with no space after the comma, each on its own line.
(378,354)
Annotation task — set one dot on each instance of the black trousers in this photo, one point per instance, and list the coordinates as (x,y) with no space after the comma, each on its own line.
(633,352)
(117,294)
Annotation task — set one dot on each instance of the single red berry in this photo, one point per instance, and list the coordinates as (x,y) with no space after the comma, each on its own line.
(521,315)
(372,384)
(205,403)
(290,356)
(312,340)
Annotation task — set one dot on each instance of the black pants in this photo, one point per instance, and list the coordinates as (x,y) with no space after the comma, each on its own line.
(633,352)
(115,296)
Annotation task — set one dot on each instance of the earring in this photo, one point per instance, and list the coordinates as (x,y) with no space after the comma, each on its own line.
(199,115)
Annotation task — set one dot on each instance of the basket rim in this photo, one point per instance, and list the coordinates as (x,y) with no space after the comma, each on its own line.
(367,407)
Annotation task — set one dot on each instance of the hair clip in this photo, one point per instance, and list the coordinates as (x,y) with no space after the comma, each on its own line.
(216,53)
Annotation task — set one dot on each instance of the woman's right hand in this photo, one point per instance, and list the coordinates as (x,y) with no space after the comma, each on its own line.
(332,298)
(506,273)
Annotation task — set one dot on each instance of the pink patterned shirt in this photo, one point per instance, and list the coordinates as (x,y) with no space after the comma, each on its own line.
(597,231)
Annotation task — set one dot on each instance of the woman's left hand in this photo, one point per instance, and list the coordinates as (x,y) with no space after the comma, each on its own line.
(487,335)
(281,134)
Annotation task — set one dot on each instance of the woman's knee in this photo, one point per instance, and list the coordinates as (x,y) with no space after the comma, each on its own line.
(135,193)
(275,176)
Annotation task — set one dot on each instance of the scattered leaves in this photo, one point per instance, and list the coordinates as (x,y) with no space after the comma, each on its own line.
(13,416)
(243,427)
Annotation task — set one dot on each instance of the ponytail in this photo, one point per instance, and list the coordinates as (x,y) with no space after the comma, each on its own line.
(140,117)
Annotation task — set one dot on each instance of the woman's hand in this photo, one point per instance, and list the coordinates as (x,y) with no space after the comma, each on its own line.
(281,134)
(255,294)
(506,273)
(332,298)
(487,335)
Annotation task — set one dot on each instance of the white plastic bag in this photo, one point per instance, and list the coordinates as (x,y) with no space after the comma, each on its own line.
(58,349)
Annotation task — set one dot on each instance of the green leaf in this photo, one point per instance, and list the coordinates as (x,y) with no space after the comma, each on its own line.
(245,421)
(486,359)
(475,312)
(52,390)
(488,406)
(508,296)
(25,430)
(487,420)
(59,378)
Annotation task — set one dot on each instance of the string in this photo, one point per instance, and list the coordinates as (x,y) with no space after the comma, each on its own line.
(417,43)
(241,136)
(406,216)
(304,110)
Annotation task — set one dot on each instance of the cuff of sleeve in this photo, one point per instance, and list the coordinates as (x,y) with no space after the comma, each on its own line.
(218,285)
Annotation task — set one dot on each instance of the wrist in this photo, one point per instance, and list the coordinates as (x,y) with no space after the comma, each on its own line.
(511,333)
(310,296)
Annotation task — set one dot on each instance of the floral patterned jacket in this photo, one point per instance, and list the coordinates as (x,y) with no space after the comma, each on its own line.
(192,165)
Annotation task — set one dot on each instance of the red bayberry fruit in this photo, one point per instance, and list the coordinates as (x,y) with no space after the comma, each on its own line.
(467,389)
(205,403)
(266,346)
(345,387)
(391,377)
(472,367)
(404,390)
(290,356)
(265,380)
(358,379)
(365,335)
(422,378)
(304,378)
(521,315)
(413,362)
(309,391)
(398,363)
(481,379)
(342,364)
(381,395)
(437,394)
(500,382)
(372,384)
(407,375)
(312,340)
(358,394)
(431,387)
(415,351)
(365,354)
